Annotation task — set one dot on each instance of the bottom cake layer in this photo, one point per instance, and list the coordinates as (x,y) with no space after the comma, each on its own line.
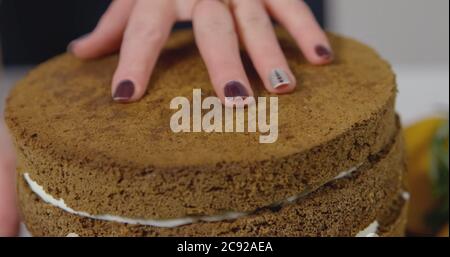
(393,225)
(368,201)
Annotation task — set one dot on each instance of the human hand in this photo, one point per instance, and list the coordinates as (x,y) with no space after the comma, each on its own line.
(140,28)
(9,215)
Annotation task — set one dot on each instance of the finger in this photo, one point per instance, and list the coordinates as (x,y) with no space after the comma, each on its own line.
(299,20)
(184,9)
(9,214)
(257,33)
(219,46)
(107,36)
(148,28)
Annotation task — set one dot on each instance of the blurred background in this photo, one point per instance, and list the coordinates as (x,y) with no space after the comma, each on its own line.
(413,35)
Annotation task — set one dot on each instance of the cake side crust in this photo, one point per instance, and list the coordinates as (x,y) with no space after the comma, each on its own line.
(342,208)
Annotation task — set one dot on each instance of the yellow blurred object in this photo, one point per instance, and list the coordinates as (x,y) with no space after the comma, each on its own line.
(443,232)
(420,135)
(418,149)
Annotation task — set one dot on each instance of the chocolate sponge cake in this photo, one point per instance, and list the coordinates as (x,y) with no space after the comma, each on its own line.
(93,167)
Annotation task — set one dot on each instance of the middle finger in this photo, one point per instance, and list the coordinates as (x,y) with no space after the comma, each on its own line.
(219,46)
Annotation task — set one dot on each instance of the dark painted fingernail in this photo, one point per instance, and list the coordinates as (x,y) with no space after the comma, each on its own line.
(324,52)
(124,91)
(235,89)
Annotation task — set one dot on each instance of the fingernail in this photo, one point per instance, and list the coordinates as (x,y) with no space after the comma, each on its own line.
(124,91)
(279,78)
(323,52)
(235,89)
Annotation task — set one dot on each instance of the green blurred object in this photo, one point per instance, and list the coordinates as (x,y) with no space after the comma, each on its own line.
(439,174)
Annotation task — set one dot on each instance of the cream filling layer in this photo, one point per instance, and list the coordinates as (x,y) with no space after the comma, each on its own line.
(370,231)
(170,223)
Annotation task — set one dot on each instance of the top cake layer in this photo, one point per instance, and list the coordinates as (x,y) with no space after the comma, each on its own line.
(85,148)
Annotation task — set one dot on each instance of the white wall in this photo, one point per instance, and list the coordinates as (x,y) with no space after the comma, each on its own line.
(403,31)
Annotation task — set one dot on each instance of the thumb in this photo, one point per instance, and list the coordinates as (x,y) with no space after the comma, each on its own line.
(9,214)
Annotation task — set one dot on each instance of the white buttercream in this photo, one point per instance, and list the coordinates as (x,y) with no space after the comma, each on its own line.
(167,223)
(347,173)
(23,231)
(406,195)
(370,231)
(341,175)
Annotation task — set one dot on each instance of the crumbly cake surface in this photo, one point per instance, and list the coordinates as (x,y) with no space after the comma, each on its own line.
(104,157)
(341,208)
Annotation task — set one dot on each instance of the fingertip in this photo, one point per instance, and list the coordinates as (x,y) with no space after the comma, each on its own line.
(281,81)
(124,91)
(285,89)
(320,54)
(93,46)
(323,52)
(237,94)
(74,46)
(70,47)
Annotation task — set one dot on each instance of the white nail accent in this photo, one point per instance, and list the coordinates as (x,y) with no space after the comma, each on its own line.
(279,78)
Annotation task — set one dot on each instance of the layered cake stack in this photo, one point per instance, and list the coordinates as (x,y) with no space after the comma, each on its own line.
(92,167)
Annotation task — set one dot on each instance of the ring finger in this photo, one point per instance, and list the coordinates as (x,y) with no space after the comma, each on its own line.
(257,33)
